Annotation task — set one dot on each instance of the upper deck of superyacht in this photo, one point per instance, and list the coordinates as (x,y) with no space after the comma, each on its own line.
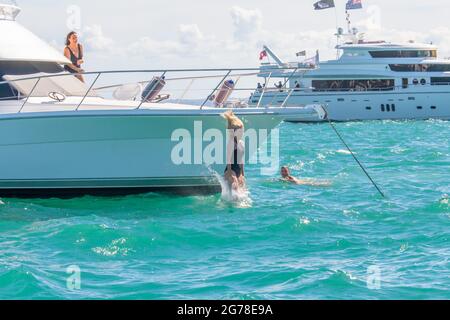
(380,58)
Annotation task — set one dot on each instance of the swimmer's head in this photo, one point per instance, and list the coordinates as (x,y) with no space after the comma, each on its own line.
(285,172)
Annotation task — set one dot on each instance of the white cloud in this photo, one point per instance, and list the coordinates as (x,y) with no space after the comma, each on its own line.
(151,48)
(190,34)
(95,39)
(193,47)
(247,23)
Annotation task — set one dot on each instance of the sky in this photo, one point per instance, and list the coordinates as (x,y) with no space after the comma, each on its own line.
(150,34)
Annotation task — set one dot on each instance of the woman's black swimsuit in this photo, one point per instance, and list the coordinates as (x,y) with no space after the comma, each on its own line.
(235,167)
(74,59)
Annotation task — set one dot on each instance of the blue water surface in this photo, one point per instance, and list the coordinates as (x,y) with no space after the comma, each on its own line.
(291,242)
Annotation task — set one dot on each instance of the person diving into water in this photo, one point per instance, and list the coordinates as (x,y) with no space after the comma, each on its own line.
(234,173)
(286,176)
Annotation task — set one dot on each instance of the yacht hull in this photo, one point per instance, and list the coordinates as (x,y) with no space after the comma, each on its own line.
(109,152)
(372,106)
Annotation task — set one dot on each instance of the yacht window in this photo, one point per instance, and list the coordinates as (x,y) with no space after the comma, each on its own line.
(404,54)
(405,83)
(22,68)
(420,67)
(393,107)
(415,82)
(382,107)
(25,67)
(423,82)
(435,81)
(6,91)
(354,85)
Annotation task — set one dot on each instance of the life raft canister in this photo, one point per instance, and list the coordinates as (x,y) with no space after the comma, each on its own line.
(224,92)
(153,88)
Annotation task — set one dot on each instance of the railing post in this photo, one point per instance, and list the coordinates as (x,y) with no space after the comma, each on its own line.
(28,96)
(217,87)
(89,90)
(287,98)
(186,90)
(284,85)
(264,90)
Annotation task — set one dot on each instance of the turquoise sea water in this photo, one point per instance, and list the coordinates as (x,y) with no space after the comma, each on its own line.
(293,242)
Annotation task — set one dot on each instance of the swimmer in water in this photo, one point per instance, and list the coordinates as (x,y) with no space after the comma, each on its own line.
(286,176)
(234,172)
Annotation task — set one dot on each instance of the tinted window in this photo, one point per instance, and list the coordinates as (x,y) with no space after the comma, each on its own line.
(6,92)
(404,54)
(23,68)
(440,80)
(353,85)
(420,67)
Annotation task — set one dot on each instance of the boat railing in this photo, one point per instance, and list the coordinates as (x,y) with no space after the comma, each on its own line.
(212,83)
(215,78)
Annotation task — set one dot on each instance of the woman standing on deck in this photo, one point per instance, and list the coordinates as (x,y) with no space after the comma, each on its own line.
(74,52)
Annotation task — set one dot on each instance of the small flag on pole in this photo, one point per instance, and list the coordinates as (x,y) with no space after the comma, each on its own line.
(263,55)
(324,4)
(301,54)
(313,61)
(353,4)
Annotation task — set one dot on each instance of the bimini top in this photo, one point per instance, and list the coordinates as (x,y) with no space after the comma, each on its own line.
(19,44)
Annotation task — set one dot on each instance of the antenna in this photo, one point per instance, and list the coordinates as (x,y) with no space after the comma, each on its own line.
(349,23)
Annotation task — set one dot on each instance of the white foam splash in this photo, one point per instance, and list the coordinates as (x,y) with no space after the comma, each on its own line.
(445,199)
(239,198)
(341,151)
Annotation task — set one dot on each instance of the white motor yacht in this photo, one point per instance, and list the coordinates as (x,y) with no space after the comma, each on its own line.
(60,136)
(371,80)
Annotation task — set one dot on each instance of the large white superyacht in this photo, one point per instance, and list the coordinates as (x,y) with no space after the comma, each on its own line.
(370,80)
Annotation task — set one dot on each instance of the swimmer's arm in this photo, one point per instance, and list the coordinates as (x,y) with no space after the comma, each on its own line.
(290,179)
(312,183)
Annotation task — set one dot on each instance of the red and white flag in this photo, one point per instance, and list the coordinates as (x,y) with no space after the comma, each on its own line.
(262,55)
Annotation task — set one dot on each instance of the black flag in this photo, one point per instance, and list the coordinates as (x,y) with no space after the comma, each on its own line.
(324,4)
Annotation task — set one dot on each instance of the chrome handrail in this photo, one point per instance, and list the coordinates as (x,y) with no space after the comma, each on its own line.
(89,90)
(257,72)
(283,86)
(221,73)
(28,96)
(217,87)
(179,79)
(266,82)
(230,72)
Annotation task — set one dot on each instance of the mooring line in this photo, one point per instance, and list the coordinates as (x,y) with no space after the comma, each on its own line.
(352,153)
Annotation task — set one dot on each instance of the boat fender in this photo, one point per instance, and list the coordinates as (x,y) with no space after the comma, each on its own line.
(153,88)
